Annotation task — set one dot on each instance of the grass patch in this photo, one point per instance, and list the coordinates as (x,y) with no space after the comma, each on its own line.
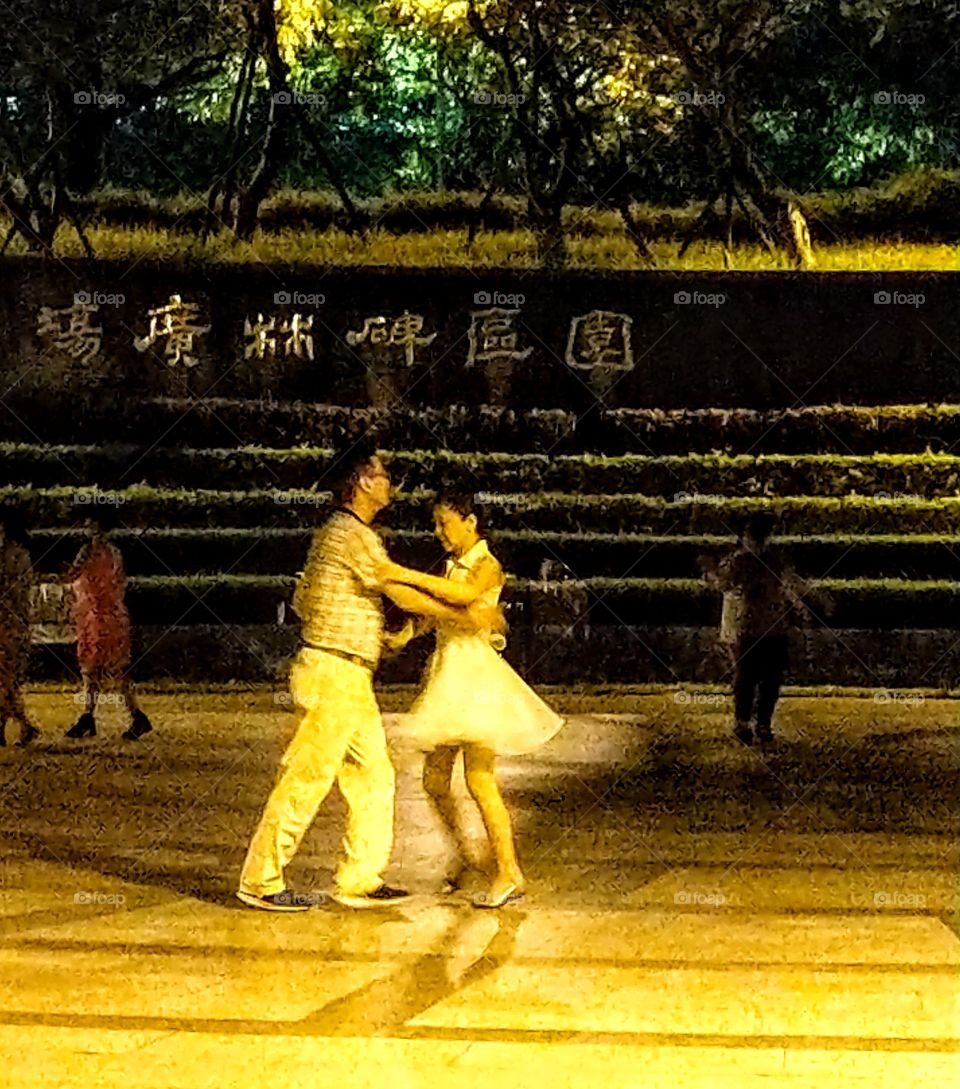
(510,249)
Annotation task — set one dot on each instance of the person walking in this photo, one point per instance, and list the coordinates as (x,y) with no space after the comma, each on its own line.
(762,596)
(16,593)
(340,737)
(99,582)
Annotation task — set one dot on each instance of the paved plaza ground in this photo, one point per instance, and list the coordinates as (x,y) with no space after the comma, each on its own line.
(699,914)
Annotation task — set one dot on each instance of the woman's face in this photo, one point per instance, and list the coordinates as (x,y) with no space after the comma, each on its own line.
(454,532)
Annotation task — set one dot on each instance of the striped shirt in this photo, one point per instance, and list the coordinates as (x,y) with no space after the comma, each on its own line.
(338,595)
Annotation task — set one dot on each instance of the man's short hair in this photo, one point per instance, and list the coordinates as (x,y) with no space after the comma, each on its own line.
(348,465)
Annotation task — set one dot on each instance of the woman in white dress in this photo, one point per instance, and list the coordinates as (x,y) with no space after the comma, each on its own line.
(472,702)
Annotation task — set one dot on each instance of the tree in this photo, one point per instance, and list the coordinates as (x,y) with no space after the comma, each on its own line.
(724,46)
(69,74)
(573,75)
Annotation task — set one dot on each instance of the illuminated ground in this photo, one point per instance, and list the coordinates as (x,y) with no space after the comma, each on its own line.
(698,915)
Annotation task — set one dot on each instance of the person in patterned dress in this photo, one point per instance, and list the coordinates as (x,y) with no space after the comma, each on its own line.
(98,580)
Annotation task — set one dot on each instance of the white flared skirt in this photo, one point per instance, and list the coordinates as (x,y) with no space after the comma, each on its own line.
(470,695)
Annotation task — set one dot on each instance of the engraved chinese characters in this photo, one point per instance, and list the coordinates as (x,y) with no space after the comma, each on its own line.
(71,330)
(383,343)
(600,339)
(175,324)
(394,351)
(494,343)
(294,337)
(400,332)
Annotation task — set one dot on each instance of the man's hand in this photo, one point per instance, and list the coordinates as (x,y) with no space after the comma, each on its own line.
(482,617)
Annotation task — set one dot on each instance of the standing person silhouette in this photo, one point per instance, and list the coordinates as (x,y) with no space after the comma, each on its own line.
(99,582)
(767,594)
(16,586)
(340,737)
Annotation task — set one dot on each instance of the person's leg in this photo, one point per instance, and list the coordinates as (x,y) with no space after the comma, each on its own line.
(438,768)
(480,772)
(367,782)
(773,663)
(91,692)
(18,712)
(128,694)
(305,778)
(85,726)
(744,689)
(308,770)
(139,723)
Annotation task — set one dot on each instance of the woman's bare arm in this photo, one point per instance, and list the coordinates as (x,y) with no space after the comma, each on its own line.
(419,603)
(485,576)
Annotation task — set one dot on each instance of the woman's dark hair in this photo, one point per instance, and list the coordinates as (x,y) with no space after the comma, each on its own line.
(465,504)
(348,465)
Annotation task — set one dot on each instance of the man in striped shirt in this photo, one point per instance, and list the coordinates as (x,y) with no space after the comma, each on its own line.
(340,737)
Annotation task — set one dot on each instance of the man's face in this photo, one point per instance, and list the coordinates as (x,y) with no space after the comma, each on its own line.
(376,482)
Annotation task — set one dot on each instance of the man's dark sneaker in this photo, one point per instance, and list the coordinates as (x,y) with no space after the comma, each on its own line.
(139,726)
(742,732)
(764,733)
(277,901)
(85,726)
(384,896)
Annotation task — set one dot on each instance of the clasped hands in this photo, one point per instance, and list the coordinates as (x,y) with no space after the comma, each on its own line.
(475,617)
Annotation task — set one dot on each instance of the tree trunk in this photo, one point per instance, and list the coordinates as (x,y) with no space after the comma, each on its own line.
(547,226)
(253,194)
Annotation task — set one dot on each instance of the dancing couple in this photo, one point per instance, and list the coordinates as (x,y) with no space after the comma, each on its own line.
(471,701)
